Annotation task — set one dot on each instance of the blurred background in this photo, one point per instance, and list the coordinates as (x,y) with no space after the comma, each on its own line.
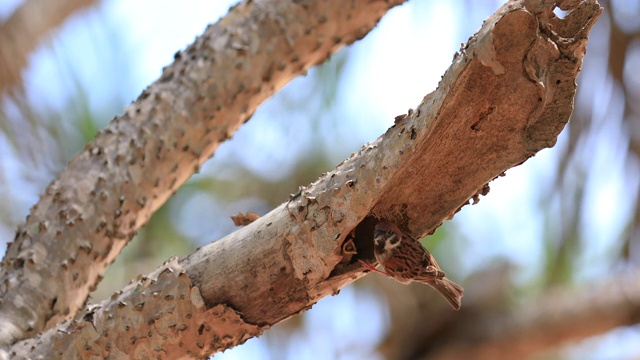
(555,244)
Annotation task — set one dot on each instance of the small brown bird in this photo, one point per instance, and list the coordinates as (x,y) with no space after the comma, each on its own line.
(405,259)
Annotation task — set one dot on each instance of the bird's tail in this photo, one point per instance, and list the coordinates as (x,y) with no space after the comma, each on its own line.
(451,291)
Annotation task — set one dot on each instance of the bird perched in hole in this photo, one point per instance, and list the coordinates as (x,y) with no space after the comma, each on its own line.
(405,259)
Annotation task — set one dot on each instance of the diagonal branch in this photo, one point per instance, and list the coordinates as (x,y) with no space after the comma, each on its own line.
(506,96)
(86,216)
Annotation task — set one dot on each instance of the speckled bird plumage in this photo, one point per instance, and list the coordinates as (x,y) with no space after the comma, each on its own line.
(405,259)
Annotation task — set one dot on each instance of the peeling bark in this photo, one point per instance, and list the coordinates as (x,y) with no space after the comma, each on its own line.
(86,216)
(507,95)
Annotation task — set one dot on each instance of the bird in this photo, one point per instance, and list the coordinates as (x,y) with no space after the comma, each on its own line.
(404,259)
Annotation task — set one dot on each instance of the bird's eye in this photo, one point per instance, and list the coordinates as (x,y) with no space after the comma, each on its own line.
(393,237)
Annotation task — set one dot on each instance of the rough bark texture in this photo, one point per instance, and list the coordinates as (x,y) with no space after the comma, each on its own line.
(20,34)
(106,193)
(506,96)
(175,319)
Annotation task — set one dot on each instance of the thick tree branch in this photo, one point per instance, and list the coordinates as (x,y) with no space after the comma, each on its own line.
(106,193)
(552,320)
(506,96)
(492,326)
(20,34)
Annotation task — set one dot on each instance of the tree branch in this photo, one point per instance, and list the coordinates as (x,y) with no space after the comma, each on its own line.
(86,216)
(20,34)
(552,320)
(506,96)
